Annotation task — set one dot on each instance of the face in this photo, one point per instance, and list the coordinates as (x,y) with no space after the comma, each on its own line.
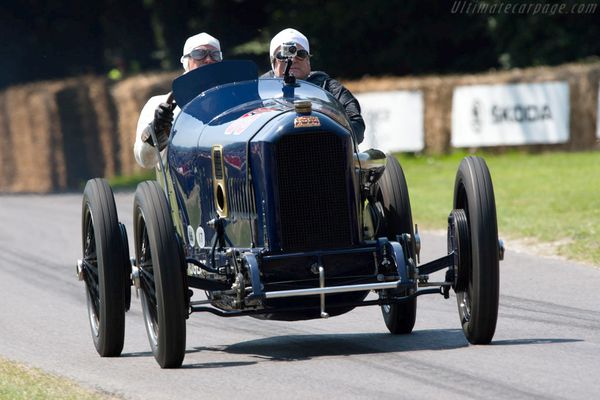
(193,63)
(300,68)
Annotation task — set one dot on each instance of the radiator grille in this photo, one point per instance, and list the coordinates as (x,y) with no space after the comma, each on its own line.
(313,192)
(240,202)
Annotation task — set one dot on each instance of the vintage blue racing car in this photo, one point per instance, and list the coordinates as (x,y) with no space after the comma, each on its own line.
(264,202)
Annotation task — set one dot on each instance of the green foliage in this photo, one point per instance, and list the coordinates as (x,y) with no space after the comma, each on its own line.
(550,38)
(349,39)
(552,198)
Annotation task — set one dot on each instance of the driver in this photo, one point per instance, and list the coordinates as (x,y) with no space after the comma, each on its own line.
(301,70)
(158,113)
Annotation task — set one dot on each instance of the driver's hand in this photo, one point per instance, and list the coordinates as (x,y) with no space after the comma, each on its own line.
(163,120)
(163,117)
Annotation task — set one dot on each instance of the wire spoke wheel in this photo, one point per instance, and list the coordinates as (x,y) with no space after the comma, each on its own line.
(90,265)
(104,269)
(148,288)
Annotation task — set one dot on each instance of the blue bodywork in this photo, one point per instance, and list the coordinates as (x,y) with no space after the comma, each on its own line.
(246,119)
(278,177)
(275,214)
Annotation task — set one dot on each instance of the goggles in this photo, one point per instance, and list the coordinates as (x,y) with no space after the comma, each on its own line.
(201,54)
(300,54)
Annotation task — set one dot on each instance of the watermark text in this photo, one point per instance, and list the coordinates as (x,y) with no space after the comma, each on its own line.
(523,8)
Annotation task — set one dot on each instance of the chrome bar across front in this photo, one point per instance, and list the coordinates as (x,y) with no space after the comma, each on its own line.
(332,289)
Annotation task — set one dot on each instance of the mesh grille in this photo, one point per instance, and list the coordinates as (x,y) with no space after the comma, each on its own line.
(313,204)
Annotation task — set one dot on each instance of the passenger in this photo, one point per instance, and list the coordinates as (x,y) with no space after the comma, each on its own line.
(158,113)
(301,70)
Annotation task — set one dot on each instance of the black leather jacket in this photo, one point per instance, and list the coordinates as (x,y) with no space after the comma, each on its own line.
(343,95)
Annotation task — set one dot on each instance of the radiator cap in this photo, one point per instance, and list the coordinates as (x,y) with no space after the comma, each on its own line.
(303,106)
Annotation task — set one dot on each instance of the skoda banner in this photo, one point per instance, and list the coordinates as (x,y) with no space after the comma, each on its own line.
(394,120)
(492,115)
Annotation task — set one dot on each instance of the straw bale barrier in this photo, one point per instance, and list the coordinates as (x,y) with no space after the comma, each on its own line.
(129,97)
(56,135)
(583,80)
(30,140)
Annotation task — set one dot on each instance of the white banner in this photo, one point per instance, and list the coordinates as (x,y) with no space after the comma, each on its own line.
(394,120)
(528,113)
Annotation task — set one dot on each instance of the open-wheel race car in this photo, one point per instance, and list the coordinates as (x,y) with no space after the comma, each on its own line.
(266,205)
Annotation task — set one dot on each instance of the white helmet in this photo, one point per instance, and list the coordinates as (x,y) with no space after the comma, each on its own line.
(194,41)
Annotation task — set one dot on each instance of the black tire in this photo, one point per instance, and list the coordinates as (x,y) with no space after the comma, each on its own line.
(161,275)
(393,195)
(459,241)
(104,268)
(127,283)
(478,302)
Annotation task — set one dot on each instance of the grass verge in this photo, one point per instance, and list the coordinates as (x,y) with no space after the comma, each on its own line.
(130,182)
(550,197)
(18,382)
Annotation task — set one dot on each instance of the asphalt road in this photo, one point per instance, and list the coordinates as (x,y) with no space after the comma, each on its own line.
(547,342)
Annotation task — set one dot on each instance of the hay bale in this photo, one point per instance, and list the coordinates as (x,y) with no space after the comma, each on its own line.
(129,97)
(54,130)
(106,124)
(83,156)
(34,139)
(7,155)
(58,134)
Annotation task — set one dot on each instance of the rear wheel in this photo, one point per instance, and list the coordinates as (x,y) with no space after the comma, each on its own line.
(104,269)
(478,295)
(161,275)
(393,195)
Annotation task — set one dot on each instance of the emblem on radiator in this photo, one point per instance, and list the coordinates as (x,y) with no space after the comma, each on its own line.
(306,121)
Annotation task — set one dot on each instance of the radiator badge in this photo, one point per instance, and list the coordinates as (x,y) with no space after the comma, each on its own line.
(306,121)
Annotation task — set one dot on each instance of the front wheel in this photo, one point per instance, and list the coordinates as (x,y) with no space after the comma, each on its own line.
(393,196)
(161,275)
(477,289)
